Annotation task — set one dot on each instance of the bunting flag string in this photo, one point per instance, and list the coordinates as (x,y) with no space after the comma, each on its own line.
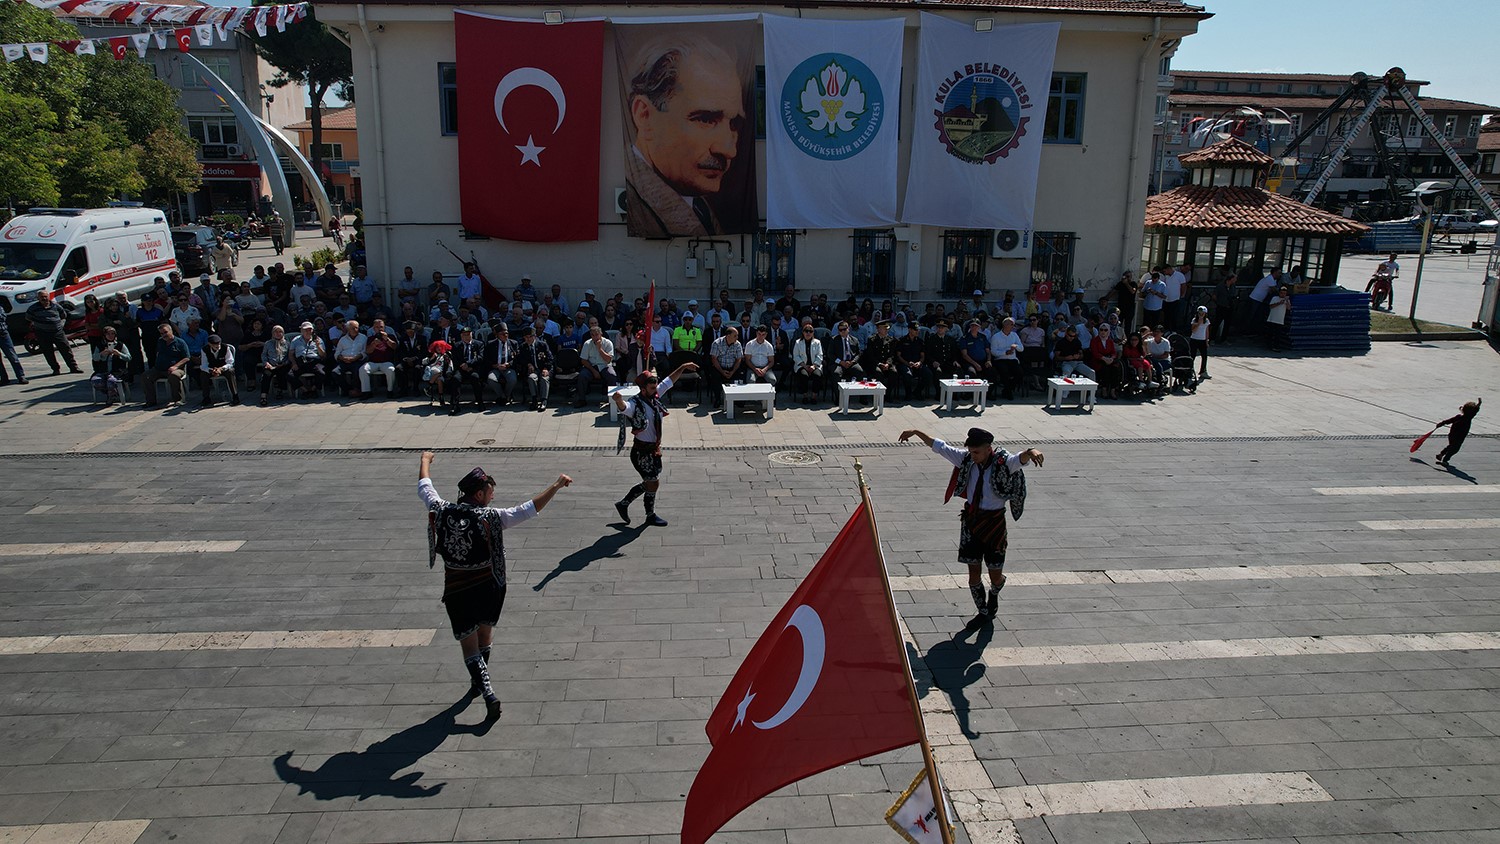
(196,26)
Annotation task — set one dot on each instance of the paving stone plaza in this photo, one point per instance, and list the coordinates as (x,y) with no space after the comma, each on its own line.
(1243,615)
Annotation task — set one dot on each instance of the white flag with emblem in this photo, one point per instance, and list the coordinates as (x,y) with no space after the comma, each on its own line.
(141,40)
(915,815)
(14,51)
(833,94)
(981,103)
(37,52)
(85,48)
(205,34)
(160,36)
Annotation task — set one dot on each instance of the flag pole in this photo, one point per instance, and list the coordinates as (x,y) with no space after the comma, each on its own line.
(932,774)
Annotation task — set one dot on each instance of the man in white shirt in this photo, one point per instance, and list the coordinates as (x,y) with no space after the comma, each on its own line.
(1005,356)
(1389,267)
(661,338)
(598,356)
(1172,300)
(760,358)
(1153,296)
(1259,297)
(988,480)
(349,354)
(183,314)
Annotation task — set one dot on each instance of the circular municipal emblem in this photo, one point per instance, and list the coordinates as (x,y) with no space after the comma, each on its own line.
(980,118)
(114,256)
(831,106)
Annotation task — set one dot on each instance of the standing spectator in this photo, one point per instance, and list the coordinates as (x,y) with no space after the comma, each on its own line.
(93,332)
(1173,301)
(275,362)
(534,364)
(598,359)
(1125,290)
(49,321)
(277,227)
(760,359)
(111,365)
(726,361)
(217,361)
(169,363)
(1260,299)
(224,255)
(500,355)
(1278,310)
(1155,295)
(8,347)
(807,364)
(1198,339)
(1224,296)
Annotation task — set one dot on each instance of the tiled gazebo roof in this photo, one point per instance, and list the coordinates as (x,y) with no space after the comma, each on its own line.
(1230,152)
(1242,209)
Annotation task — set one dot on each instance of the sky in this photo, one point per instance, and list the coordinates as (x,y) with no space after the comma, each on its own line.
(1449,43)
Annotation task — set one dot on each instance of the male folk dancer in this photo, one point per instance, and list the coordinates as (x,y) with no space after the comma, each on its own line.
(987,479)
(646,415)
(469,534)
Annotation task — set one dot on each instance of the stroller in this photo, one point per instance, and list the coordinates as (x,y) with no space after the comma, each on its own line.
(1181,372)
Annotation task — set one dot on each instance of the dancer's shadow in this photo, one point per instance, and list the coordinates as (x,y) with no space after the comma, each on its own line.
(1454,471)
(606,546)
(372,772)
(958,663)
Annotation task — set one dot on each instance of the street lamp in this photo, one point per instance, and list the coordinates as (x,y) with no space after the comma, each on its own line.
(1427,194)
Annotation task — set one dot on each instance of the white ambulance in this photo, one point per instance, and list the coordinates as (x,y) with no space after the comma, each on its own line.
(109,249)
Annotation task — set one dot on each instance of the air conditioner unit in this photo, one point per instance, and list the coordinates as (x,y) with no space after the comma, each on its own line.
(1012,243)
(234,149)
(620,201)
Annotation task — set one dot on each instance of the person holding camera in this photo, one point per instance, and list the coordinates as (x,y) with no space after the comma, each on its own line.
(469,534)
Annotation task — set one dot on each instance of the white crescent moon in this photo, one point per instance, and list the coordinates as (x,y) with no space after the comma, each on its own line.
(807,622)
(536,78)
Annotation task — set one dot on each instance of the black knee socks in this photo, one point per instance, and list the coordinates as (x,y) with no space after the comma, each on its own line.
(479,673)
(650,503)
(635,492)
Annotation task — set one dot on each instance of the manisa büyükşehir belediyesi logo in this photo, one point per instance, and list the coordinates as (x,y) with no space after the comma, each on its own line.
(978,113)
(831,106)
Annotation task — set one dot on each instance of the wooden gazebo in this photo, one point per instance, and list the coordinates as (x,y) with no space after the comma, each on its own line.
(1224,217)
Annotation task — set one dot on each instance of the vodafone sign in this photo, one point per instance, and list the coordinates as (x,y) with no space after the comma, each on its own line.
(230,170)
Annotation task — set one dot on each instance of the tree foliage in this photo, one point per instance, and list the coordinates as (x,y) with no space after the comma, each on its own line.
(79,129)
(311,55)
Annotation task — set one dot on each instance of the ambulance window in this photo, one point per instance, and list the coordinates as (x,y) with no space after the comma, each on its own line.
(78,262)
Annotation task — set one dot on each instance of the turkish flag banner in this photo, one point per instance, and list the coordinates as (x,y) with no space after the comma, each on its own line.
(528,127)
(184,38)
(119,45)
(825,685)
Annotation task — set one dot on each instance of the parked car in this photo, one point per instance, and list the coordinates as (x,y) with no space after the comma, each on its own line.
(194,245)
(1461,222)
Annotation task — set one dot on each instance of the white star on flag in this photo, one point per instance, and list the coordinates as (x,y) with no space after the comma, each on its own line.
(739,716)
(530,152)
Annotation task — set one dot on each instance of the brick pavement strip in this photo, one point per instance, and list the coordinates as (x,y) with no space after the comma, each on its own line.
(1402,738)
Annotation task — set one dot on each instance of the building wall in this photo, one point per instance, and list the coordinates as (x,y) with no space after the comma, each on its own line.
(1084,188)
(349,138)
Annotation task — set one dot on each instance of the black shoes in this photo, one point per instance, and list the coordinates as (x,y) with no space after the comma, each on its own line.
(624,510)
(492,710)
(655,521)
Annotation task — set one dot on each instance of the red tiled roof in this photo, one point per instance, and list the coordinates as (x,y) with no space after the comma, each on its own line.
(1231,151)
(1221,100)
(333,118)
(1337,78)
(1164,8)
(1241,209)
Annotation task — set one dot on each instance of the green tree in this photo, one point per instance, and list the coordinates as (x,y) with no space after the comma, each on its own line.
(28,149)
(99,162)
(169,161)
(308,54)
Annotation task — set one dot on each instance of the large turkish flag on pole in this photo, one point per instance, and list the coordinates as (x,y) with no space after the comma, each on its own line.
(528,127)
(825,685)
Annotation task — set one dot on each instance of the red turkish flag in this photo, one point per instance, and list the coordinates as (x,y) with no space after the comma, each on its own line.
(825,685)
(184,38)
(528,127)
(120,46)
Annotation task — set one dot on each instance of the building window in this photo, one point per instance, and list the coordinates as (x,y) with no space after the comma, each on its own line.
(1474,126)
(1052,256)
(874,256)
(332,152)
(448,98)
(1221,87)
(193,76)
(760,102)
(775,259)
(1487,163)
(1253,87)
(213,131)
(964,254)
(1413,127)
(1284,88)
(1064,124)
(1189,84)
(1321,129)
(1392,127)
(1315,89)
(1450,126)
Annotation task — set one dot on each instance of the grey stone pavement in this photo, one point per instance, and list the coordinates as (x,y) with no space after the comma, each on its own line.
(616,642)
(1452,284)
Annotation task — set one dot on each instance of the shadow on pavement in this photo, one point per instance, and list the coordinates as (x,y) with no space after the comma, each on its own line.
(372,772)
(958,663)
(606,546)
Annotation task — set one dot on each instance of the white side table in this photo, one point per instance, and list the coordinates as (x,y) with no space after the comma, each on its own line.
(626,392)
(850,389)
(950,388)
(763,393)
(1059,388)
